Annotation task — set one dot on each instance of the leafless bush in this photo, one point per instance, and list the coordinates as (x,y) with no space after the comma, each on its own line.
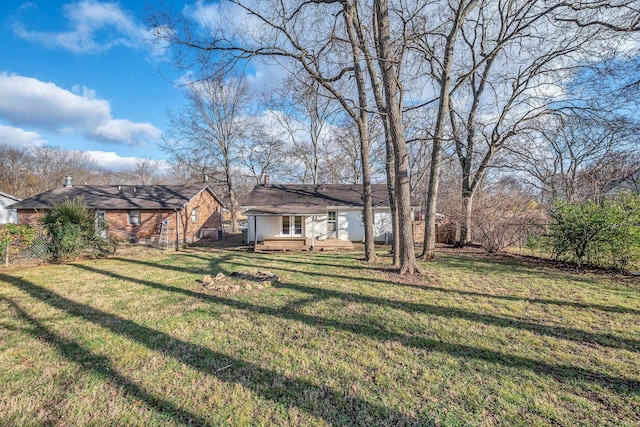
(505,219)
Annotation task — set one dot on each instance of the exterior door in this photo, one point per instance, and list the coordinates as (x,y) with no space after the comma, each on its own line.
(101,223)
(291,226)
(332,224)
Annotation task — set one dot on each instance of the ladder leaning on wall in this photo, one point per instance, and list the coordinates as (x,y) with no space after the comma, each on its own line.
(163,240)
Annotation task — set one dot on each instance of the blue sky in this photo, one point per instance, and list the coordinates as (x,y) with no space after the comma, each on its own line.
(79,75)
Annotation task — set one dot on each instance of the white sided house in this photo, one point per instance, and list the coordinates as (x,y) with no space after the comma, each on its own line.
(8,216)
(315,212)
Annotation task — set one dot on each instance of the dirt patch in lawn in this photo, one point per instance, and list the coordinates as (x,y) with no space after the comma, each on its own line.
(238,281)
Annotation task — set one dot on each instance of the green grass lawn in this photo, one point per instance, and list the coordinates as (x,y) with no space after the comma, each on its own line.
(137,340)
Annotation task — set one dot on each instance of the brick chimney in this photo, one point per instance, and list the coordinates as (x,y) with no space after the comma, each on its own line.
(266,180)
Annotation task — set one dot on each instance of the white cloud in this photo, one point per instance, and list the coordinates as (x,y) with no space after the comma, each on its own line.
(93,27)
(112,161)
(125,130)
(264,76)
(211,14)
(25,101)
(19,137)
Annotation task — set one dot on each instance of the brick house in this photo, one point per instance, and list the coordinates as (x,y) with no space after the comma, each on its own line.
(133,212)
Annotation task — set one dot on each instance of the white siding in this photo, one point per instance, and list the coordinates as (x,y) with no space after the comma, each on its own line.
(382,225)
(7,215)
(316,227)
(267,226)
(349,224)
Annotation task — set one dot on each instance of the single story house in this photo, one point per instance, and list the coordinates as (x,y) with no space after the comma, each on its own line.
(315,212)
(8,216)
(179,212)
(629,183)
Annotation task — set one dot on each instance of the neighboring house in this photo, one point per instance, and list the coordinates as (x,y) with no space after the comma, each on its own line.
(315,212)
(629,183)
(7,215)
(137,211)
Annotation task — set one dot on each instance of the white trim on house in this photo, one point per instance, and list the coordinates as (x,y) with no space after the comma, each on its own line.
(8,216)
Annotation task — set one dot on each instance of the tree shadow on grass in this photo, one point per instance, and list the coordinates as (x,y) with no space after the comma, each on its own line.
(100,365)
(547,269)
(559,372)
(561,332)
(334,407)
(419,286)
(311,259)
(515,298)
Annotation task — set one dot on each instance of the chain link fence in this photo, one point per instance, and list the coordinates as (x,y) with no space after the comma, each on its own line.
(37,252)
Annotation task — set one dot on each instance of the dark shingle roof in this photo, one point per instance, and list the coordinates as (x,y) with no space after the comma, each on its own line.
(117,197)
(310,199)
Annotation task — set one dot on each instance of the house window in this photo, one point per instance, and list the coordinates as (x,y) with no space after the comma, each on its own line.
(194,215)
(134,217)
(297,225)
(332,221)
(292,226)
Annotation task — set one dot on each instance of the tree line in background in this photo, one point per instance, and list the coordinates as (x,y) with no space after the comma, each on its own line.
(25,172)
(485,110)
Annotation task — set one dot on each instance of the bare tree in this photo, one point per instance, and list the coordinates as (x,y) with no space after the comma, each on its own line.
(442,71)
(146,172)
(306,115)
(342,164)
(208,132)
(577,157)
(329,55)
(263,154)
(506,63)
(17,175)
(53,164)
(388,64)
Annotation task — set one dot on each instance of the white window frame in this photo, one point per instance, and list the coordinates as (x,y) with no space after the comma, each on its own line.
(333,221)
(291,230)
(194,213)
(132,215)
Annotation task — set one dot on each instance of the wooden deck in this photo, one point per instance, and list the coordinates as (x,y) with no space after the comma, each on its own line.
(283,244)
(301,244)
(333,245)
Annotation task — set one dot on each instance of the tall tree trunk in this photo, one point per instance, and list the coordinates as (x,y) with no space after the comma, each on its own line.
(429,246)
(467,209)
(367,200)
(406,250)
(390,164)
(362,121)
(233,211)
(390,159)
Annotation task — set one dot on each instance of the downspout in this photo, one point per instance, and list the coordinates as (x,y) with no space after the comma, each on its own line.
(177,230)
